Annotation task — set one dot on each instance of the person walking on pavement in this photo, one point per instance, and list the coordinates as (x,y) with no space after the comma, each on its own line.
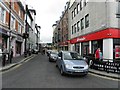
(98,55)
(4,55)
(11,54)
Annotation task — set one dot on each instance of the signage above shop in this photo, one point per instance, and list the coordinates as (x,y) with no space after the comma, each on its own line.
(102,34)
(81,39)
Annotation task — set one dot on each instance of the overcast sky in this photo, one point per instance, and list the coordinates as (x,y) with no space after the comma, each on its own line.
(48,12)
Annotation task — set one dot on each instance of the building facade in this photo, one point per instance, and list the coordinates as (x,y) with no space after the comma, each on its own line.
(60,34)
(12,26)
(93,25)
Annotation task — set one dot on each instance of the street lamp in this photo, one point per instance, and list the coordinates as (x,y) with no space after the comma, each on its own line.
(38,36)
(9,55)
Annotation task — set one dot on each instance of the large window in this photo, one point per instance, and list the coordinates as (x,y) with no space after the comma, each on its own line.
(2,15)
(82,23)
(12,22)
(87,20)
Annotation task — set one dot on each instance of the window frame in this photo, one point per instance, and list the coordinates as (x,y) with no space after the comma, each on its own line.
(78,26)
(87,21)
(82,23)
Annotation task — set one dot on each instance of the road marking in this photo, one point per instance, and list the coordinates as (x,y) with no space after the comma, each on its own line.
(17,66)
(104,77)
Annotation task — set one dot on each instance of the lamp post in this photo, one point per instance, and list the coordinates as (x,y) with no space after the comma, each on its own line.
(38,36)
(25,34)
(9,55)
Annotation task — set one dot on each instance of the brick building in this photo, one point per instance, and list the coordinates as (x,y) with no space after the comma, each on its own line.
(12,26)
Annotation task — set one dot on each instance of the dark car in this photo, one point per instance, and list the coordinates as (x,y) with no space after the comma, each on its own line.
(48,52)
(71,63)
(53,56)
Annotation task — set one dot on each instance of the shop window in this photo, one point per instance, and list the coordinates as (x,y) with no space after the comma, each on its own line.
(116,49)
(85,48)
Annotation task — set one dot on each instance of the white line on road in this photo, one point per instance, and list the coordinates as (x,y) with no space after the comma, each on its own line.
(104,77)
(17,66)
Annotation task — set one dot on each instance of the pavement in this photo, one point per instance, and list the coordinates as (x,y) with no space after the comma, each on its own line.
(18,60)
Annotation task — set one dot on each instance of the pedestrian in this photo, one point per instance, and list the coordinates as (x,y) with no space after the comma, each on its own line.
(11,54)
(4,55)
(97,54)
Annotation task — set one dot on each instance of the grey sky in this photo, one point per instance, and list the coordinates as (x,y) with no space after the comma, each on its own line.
(48,11)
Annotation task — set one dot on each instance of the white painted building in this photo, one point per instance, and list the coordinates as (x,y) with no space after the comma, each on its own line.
(95,24)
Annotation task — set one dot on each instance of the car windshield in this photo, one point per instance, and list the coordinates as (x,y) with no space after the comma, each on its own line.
(54,53)
(72,56)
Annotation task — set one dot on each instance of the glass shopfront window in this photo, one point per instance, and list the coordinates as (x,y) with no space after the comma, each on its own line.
(77,47)
(96,44)
(85,48)
(116,49)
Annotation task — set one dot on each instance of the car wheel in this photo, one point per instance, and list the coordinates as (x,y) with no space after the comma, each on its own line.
(61,71)
(90,63)
(56,65)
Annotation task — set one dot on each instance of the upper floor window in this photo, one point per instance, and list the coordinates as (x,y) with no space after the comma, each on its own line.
(72,14)
(12,24)
(20,13)
(78,26)
(82,3)
(78,7)
(87,20)
(72,29)
(12,5)
(82,23)
(75,28)
(75,12)
(19,28)
(2,15)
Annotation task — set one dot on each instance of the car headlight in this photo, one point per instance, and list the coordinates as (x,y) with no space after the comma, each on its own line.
(68,66)
(86,67)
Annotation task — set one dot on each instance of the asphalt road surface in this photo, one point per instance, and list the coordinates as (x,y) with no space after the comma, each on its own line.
(40,73)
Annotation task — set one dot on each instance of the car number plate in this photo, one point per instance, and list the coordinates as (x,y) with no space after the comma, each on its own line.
(78,71)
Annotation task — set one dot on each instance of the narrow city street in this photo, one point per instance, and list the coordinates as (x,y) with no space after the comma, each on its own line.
(40,73)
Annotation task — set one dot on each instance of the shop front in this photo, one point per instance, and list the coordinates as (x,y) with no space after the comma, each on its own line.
(3,38)
(19,47)
(107,40)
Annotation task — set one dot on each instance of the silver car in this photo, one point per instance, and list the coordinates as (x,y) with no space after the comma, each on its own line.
(53,56)
(71,63)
